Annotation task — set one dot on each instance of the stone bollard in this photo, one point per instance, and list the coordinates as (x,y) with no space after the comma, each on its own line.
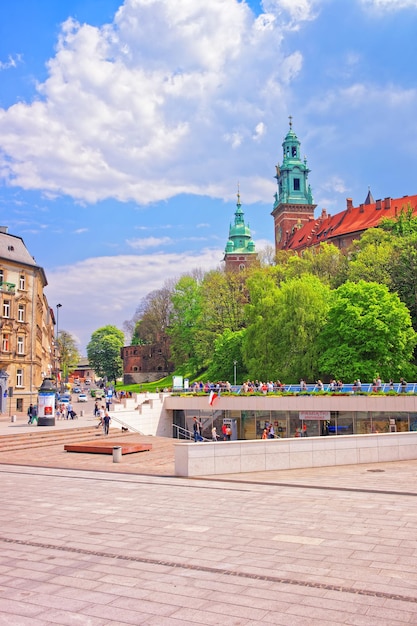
(82,413)
(117,454)
(13,418)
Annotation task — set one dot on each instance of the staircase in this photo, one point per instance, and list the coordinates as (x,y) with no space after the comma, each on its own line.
(42,439)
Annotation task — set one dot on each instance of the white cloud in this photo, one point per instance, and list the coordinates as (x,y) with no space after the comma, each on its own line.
(389,5)
(148,242)
(12,62)
(131,110)
(110,288)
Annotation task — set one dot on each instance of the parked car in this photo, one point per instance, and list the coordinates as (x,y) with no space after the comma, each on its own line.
(77,390)
(82,397)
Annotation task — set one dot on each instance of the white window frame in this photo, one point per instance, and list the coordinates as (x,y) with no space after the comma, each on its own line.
(21,313)
(6,308)
(19,377)
(20,345)
(22,282)
(5,342)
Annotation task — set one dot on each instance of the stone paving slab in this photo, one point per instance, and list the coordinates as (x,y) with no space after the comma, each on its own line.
(87,541)
(109,548)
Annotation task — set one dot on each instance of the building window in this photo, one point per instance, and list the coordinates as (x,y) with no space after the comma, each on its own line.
(20,345)
(294,151)
(19,404)
(6,308)
(19,378)
(22,282)
(1,276)
(21,313)
(5,342)
(296,184)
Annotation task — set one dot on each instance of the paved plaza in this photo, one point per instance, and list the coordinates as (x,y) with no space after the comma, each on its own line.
(114,543)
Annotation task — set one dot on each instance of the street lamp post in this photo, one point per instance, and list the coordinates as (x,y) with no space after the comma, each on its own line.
(234,371)
(58,306)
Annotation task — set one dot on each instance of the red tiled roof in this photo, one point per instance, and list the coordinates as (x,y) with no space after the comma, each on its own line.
(348,222)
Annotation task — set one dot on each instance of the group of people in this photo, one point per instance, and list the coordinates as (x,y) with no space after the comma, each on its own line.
(104,418)
(65,411)
(198,428)
(268,431)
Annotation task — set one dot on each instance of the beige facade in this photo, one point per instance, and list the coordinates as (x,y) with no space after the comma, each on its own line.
(27,326)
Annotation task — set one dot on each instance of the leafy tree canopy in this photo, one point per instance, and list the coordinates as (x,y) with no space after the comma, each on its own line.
(368,333)
(103,352)
(68,351)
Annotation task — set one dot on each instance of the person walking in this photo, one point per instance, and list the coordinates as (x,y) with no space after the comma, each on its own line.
(106,420)
(30,413)
(197,430)
(214,435)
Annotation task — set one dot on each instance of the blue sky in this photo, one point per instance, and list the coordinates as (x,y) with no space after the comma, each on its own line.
(125,129)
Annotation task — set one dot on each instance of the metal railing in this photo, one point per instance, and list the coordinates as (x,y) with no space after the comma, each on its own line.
(183,433)
(128,426)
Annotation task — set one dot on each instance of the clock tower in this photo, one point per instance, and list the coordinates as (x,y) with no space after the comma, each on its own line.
(293,204)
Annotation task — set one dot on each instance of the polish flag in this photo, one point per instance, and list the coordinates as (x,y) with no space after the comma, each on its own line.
(212,397)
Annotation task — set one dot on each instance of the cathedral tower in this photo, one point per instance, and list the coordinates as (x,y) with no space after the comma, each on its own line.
(293,204)
(240,248)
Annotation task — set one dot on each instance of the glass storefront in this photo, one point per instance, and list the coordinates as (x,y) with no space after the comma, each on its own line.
(251,424)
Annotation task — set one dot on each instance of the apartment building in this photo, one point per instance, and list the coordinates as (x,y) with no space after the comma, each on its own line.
(27,326)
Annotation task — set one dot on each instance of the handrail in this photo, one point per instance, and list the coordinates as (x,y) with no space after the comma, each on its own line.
(125,425)
(188,434)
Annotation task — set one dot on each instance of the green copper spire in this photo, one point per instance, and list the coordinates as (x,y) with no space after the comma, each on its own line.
(240,240)
(292,175)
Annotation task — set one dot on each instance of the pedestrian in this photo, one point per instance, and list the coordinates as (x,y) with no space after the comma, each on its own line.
(106,421)
(96,409)
(197,430)
(271,432)
(228,433)
(265,433)
(224,428)
(403,385)
(214,435)
(30,413)
(101,414)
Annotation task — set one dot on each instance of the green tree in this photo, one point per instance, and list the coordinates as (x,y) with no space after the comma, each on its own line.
(103,352)
(370,257)
(186,306)
(223,299)
(227,350)
(368,333)
(283,324)
(68,353)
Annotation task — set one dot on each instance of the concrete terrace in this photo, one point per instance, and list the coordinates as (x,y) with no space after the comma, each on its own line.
(88,541)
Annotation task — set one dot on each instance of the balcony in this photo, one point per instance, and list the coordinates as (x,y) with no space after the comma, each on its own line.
(7,287)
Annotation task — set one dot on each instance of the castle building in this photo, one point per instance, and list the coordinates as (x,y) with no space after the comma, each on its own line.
(293,204)
(27,326)
(146,363)
(296,228)
(240,248)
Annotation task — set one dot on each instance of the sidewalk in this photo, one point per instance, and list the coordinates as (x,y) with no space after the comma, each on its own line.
(318,547)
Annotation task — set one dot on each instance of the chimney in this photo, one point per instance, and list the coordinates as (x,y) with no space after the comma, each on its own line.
(378,205)
(387,203)
(323,214)
(361,208)
(349,203)
(4,229)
